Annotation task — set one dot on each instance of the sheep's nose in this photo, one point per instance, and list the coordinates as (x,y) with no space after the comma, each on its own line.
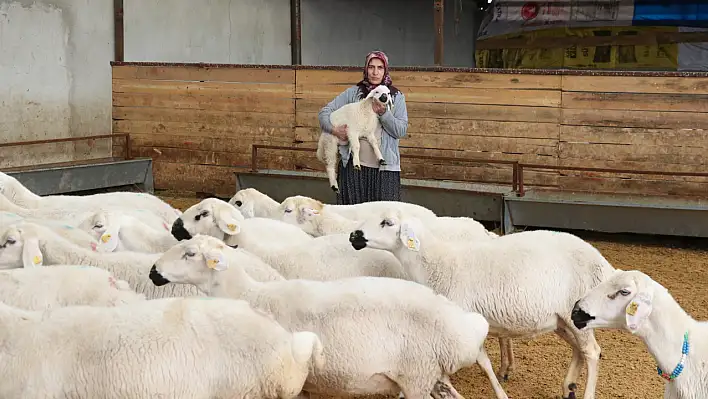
(356,234)
(383,98)
(178,230)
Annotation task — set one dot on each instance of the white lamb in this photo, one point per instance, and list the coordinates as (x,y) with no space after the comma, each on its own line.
(41,288)
(632,301)
(71,215)
(357,211)
(380,335)
(20,195)
(69,232)
(29,245)
(362,122)
(254,204)
(117,231)
(322,258)
(525,284)
(177,348)
(318,220)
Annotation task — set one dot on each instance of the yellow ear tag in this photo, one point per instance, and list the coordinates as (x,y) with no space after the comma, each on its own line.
(411,243)
(105,238)
(211,263)
(37,259)
(231,226)
(632,308)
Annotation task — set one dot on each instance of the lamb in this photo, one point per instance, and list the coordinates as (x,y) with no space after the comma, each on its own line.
(501,279)
(317,220)
(361,121)
(633,301)
(41,288)
(20,195)
(181,348)
(254,204)
(69,232)
(376,331)
(115,232)
(323,258)
(30,245)
(70,214)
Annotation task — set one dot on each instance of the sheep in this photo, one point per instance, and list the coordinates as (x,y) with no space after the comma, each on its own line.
(41,288)
(70,214)
(29,245)
(322,258)
(502,278)
(376,331)
(181,348)
(362,122)
(633,301)
(253,203)
(20,195)
(69,232)
(115,232)
(317,220)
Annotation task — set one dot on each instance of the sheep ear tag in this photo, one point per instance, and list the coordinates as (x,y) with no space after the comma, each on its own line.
(638,311)
(409,239)
(216,262)
(31,255)
(109,239)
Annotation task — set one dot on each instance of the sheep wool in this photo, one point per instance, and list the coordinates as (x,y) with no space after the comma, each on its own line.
(178,348)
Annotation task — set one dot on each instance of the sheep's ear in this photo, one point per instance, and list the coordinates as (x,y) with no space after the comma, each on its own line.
(31,254)
(638,310)
(310,212)
(408,236)
(108,242)
(215,260)
(227,221)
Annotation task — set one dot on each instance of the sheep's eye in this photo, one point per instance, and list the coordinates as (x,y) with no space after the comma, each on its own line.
(98,226)
(239,203)
(288,210)
(202,215)
(10,241)
(386,222)
(189,254)
(624,292)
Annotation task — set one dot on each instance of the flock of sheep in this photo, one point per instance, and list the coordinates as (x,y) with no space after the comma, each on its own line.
(120,295)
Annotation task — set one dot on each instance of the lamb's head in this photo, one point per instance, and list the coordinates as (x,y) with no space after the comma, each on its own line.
(382,94)
(301,211)
(624,300)
(115,230)
(390,230)
(191,261)
(211,216)
(19,246)
(250,202)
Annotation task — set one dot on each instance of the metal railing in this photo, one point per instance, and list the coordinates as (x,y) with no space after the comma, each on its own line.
(128,144)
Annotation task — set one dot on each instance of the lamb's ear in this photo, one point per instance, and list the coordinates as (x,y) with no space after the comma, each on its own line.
(215,260)
(227,221)
(31,254)
(638,310)
(108,242)
(408,235)
(310,212)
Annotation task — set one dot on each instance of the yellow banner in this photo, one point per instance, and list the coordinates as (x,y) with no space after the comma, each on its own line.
(621,57)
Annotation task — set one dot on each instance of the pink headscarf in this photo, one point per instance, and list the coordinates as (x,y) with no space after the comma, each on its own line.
(365,85)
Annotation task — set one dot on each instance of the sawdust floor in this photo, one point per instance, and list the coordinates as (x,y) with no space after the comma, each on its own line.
(626,368)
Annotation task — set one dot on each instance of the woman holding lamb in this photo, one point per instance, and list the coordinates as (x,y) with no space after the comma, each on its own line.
(374,182)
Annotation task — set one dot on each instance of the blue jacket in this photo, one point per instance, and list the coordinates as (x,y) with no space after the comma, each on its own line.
(394,123)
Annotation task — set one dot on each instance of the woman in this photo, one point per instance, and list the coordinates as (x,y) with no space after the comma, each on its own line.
(373,182)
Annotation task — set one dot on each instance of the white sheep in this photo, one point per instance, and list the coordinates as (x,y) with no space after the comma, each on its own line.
(285,247)
(362,122)
(69,232)
(525,284)
(181,348)
(380,335)
(633,301)
(318,220)
(73,214)
(41,288)
(253,203)
(29,245)
(117,231)
(20,195)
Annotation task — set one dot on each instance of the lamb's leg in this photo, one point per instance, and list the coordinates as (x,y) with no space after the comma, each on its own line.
(505,361)
(443,389)
(570,382)
(509,358)
(355,146)
(375,145)
(591,352)
(486,365)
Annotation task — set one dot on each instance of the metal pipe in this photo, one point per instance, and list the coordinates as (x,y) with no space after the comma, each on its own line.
(295,32)
(439,18)
(62,140)
(118,31)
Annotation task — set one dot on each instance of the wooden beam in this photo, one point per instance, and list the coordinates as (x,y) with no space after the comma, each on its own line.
(295,32)
(439,16)
(118,33)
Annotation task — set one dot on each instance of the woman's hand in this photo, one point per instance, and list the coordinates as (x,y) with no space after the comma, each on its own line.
(379,108)
(340,132)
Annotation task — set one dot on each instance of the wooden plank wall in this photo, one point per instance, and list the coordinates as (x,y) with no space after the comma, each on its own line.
(199,123)
(635,123)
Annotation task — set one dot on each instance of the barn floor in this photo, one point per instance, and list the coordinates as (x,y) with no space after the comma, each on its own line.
(626,368)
